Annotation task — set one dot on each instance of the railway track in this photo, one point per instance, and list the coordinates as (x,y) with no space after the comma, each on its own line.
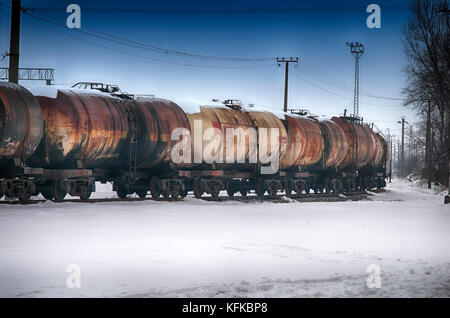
(320,197)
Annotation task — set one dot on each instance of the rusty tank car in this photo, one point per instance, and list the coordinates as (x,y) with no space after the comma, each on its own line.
(118,138)
(305,149)
(365,151)
(61,141)
(21,124)
(335,145)
(84,129)
(153,121)
(21,130)
(305,143)
(231,139)
(360,141)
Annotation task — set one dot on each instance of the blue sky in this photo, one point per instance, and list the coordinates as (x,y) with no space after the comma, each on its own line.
(317,38)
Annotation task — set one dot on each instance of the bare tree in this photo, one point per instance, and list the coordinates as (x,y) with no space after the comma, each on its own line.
(427,47)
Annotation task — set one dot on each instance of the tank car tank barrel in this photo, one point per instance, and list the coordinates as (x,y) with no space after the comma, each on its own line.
(21,124)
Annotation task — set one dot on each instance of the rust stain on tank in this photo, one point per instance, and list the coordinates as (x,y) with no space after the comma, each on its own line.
(218,120)
(83,126)
(156,120)
(383,151)
(362,142)
(335,144)
(272,124)
(305,142)
(379,151)
(21,123)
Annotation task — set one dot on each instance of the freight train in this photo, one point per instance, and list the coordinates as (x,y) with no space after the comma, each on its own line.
(61,141)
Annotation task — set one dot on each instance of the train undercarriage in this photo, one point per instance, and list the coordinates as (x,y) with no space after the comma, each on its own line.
(23,183)
(56,184)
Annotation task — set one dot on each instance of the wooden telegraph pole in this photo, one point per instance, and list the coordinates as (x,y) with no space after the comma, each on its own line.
(286,77)
(402,169)
(14,42)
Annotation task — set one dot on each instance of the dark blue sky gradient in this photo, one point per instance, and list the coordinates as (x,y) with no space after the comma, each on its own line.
(318,38)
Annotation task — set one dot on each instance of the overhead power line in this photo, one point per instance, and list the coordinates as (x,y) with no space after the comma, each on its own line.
(229,10)
(145,46)
(47,21)
(340,84)
(147,57)
(44,17)
(336,94)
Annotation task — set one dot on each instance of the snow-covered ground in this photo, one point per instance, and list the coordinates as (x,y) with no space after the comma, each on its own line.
(228,249)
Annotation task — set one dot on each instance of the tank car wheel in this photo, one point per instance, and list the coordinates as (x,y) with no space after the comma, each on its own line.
(155,189)
(57,193)
(183,191)
(307,189)
(301,187)
(85,195)
(349,186)
(327,186)
(288,189)
(215,191)
(365,185)
(142,194)
(379,185)
(46,191)
(272,192)
(165,194)
(122,192)
(260,189)
(47,194)
(370,184)
(230,189)
(334,186)
(215,194)
(25,197)
(175,192)
(243,192)
(339,186)
(197,189)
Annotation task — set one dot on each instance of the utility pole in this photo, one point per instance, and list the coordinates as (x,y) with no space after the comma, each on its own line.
(428,146)
(357,50)
(14,42)
(394,155)
(13,73)
(402,169)
(391,155)
(411,142)
(286,77)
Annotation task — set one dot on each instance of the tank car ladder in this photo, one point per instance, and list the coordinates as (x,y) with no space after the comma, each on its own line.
(132,156)
(132,161)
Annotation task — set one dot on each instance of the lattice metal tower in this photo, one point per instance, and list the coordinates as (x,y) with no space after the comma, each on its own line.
(357,50)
